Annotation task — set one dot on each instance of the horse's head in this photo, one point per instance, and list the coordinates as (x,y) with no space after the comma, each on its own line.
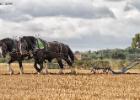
(27,43)
(3,49)
(23,46)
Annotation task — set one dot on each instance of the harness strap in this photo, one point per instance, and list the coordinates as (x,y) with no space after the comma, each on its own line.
(60,47)
(40,44)
(25,53)
(48,45)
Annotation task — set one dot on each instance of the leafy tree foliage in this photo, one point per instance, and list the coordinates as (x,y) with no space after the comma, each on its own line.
(136,41)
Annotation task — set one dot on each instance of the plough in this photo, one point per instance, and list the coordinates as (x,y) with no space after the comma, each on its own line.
(125,69)
(108,68)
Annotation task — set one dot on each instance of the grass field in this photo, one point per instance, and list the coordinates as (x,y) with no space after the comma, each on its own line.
(82,86)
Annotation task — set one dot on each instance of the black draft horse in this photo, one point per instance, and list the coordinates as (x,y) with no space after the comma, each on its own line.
(11,46)
(29,44)
(53,50)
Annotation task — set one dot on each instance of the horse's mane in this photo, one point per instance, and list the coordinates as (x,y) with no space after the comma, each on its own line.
(31,41)
(6,39)
(29,38)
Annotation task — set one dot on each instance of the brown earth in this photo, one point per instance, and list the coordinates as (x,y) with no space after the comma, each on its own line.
(82,86)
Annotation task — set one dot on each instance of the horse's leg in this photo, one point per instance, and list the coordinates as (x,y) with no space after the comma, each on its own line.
(71,65)
(46,66)
(41,67)
(21,67)
(61,65)
(36,67)
(9,66)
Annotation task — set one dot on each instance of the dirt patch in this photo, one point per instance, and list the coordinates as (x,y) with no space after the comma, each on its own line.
(83,86)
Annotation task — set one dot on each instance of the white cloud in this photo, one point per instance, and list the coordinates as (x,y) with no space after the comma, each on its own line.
(25,9)
(81,24)
(135,3)
(115,0)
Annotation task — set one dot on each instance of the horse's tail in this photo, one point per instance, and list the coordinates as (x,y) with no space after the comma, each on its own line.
(71,55)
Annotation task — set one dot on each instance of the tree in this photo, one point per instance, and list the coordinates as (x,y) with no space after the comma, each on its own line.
(118,55)
(136,41)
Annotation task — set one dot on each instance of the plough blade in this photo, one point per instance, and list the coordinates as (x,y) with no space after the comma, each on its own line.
(125,69)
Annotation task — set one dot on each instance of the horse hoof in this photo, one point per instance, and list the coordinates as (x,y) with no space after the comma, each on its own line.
(61,72)
(47,72)
(11,73)
(38,73)
(73,72)
(21,73)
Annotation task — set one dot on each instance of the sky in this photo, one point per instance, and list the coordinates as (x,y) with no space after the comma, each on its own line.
(82,24)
